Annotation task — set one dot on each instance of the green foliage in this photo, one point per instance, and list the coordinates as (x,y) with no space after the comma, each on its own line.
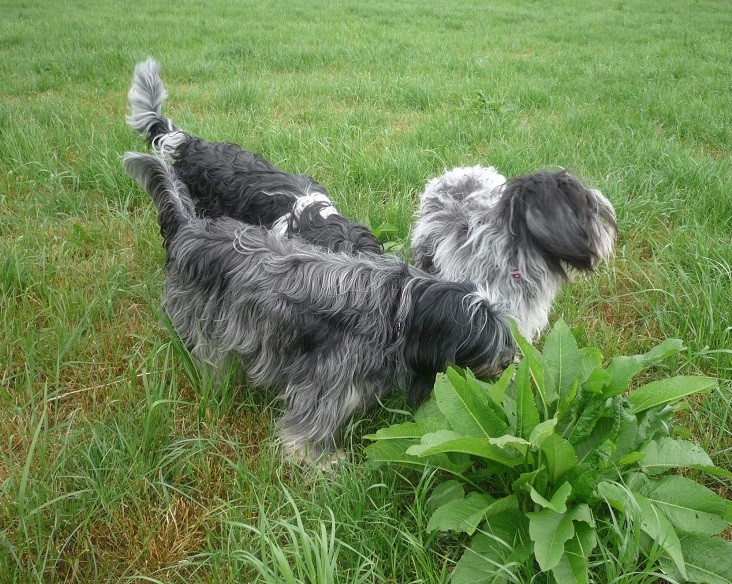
(556,444)
(143,469)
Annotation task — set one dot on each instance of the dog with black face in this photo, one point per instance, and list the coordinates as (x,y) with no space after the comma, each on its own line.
(227,180)
(520,239)
(332,331)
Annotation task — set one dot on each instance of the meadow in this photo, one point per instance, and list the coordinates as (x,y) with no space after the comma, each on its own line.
(119,460)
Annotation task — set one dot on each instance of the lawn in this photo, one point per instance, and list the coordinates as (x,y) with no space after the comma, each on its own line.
(120,461)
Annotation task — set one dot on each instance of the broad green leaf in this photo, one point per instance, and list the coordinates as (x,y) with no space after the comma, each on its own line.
(394,452)
(669,390)
(592,376)
(584,479)
(652,521)
(599,445)
(573,566)
(535,367)
(503,506)
(596,381)
(461,514)
(549,531)
(582,513)
(497,552)
(406,430)
(592,409)
(687,504)
(566,404)
(666,453)
(542,502)
(519,444)
(622,369)
(429,410)
(630,458)
(560,456)
(541,432)
(708,559)
(654,423)
(527,415)
(445,492)
(444,441)
(558,502)
(467,409)
(385,228)
(496,390)
(715,471)
(392,443)
(627,438)
(527,479)
(563,360)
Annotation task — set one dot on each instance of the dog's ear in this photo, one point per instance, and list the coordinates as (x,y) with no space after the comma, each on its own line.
(553,211)
(449,324)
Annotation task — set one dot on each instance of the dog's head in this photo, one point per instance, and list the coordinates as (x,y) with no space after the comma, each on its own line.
(565,222)
(449,323)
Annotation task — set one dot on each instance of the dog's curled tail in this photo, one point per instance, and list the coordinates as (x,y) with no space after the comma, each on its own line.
(171,198)
(146,97)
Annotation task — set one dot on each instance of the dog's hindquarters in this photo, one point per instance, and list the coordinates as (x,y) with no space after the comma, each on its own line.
(171,199)
(225,180)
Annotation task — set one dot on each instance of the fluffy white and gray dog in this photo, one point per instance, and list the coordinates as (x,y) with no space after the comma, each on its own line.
(331,330)
(519,239)
(227,180)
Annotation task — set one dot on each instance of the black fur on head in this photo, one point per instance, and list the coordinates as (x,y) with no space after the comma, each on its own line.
(449,323)
(554,213)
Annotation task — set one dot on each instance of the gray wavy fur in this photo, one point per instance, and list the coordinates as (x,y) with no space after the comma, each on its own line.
(330,330)
(519,239)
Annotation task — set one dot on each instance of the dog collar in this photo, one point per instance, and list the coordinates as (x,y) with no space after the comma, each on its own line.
(516,274)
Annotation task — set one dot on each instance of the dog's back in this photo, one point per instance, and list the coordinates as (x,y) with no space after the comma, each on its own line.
(227,180)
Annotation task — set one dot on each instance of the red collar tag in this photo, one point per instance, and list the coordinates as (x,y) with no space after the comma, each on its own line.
(516,273)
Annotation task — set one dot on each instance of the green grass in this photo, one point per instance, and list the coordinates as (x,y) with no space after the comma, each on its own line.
(119,462)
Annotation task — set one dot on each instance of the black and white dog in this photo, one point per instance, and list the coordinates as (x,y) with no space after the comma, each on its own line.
(226,180)
(519,239)
(331,330)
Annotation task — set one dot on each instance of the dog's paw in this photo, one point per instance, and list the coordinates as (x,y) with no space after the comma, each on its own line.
(306,454)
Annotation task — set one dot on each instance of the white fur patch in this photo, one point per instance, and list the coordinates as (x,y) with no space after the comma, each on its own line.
(304,202)
(280,225)
(167,144)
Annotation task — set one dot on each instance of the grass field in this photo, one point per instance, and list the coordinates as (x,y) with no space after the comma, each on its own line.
(119,461)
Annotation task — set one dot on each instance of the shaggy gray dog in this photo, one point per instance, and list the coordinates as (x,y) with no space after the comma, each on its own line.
(331,330)
(519,239)
(227,180)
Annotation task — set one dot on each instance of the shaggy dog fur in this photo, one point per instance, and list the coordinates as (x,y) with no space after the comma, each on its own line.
(226,180)
(520,239)
(331,330)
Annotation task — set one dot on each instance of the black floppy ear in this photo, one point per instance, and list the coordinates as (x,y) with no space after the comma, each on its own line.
(555,216)
(436,332)
(420,388)
(431,335)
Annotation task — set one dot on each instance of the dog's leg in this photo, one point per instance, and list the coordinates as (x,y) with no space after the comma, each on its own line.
(312,424)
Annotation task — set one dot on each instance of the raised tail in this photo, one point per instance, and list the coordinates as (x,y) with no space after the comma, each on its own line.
(146,97)
(171,198)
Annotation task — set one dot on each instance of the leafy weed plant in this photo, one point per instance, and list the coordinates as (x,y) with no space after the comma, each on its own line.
(555,447)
